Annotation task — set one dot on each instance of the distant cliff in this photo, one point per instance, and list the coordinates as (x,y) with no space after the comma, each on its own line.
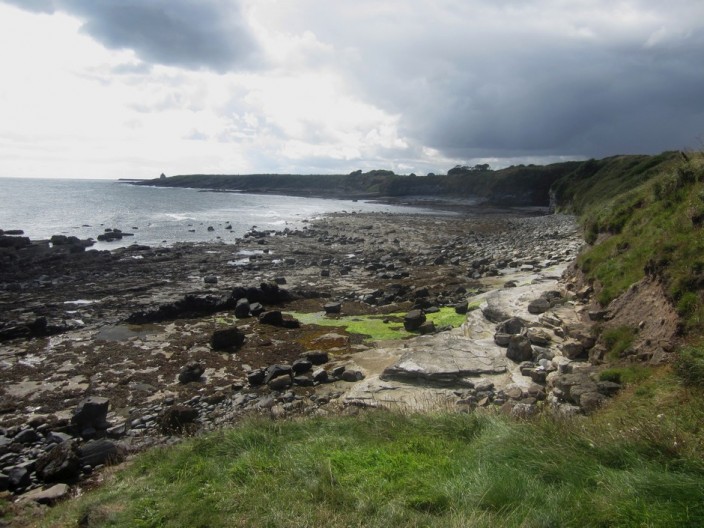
(513,186)
(569,185)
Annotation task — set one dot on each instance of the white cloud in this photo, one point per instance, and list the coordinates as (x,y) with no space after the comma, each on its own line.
(133,89)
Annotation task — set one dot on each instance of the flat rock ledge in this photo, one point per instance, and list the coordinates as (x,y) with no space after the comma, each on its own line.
(459,359)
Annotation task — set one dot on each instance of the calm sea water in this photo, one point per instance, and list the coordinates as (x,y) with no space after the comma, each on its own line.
(156,215)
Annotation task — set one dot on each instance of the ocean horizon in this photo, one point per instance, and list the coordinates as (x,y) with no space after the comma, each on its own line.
(156,215)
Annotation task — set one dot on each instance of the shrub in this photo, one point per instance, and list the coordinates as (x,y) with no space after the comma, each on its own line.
(617,341)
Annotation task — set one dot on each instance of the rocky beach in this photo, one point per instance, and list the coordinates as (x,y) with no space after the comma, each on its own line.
(105,353)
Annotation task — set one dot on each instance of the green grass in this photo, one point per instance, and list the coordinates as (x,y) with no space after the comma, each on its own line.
(689,365)
(374,327)
(628,467)
(617,341)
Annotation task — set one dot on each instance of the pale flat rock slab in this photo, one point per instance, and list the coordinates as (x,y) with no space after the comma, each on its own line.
(47,496)
(446,358)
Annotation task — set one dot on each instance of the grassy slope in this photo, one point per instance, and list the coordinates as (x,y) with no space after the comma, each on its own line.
(638,462)
(647,216)
(627,467)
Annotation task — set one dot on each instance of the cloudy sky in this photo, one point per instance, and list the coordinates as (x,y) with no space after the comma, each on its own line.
(133,88)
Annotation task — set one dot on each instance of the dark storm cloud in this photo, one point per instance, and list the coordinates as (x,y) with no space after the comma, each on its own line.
(209,34)
(475,78)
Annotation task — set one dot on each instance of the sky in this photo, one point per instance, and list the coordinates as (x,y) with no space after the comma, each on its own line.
(134,88)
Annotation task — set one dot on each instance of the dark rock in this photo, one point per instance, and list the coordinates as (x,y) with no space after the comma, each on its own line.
(502,339)
(242,309)
(280,281)
(302,365)
(337,371)
(210,279)
(462,307)
(352,376)
(256,309)
(280,383)
(177,418)
(320,375)
(494,314)
(303,381)
(60,464)
(317,357)
(333,308)
(572,349)
(97,452)
(427,328)
(18,477)
(273,318)
(413,320)
(513,326)
(26,436)
(92,412)
(539,306)
(256,377)
(227,339)
(275,371)
(192,371)
(519,349)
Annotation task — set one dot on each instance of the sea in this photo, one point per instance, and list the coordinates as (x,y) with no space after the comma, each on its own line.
(157,216)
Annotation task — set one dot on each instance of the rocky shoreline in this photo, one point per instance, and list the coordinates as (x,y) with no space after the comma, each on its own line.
(105,353)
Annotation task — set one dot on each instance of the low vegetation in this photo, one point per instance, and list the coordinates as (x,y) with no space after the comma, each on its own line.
(636,464)
(380,327)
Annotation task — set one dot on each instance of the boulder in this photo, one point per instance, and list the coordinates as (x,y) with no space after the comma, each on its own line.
(92,412)
(539,337)
(47,496)
(192,371)
(572,349)
(519,349)
(276,371)
(320,375)
(502,339)
(280,383)
(60,464)
(494,314)
(333,307)
(427,328)
(273,318)
(256,377)
(242,308)
(351,376)
(413,320)
(317,357)
(462,307)
(98,452)
(513,326)
(538,306)
(227,339)
(302,365)
(177,418)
